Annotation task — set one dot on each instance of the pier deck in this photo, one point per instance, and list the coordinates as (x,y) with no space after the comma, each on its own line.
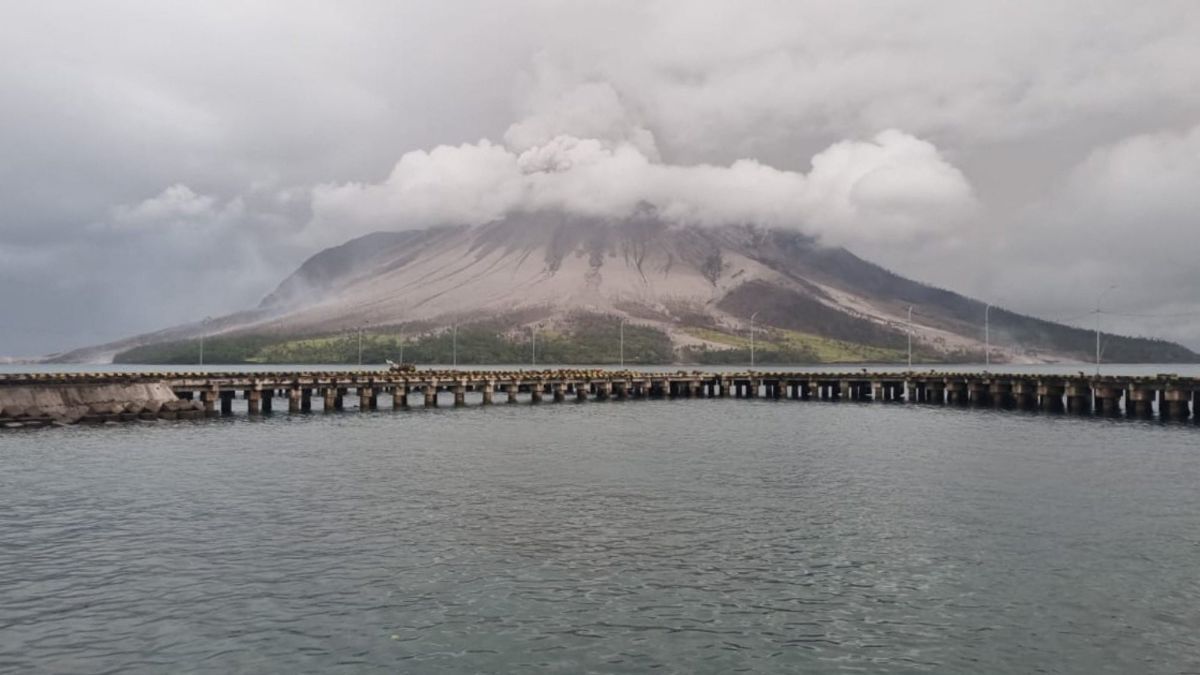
(213,393)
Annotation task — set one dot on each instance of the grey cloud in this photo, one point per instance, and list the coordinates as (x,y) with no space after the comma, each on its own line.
(1071,124)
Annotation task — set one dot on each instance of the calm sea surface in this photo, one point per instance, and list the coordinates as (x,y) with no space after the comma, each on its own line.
(693,536)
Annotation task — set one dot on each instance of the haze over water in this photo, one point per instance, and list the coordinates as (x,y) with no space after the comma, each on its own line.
(705,536)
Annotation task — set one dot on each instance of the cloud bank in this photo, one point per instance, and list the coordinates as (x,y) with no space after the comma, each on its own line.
(890,188)
(159,163)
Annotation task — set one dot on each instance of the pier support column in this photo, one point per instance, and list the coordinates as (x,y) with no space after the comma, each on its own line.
(1174,403)
(511,391)
(330,399)
(294,400)
(254,401)
(400,396)
(1141,401)
(489,388)
(227,402)
(339,398)
(977,392)
(536,390)
(604,390)
(935,393)
(1025,394)
(366,398)
(306,399)
(1000,392)
(723,387)
(1079,398)
(209,398)
(460,393)
(431,391)
(1051,395)
(621,390)
(752,390)
(1108,399)
(268,400)
(581,391)
(560,392)
(956,392)
(876,390)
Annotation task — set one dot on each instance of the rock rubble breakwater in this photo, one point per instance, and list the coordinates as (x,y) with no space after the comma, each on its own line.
(42,405)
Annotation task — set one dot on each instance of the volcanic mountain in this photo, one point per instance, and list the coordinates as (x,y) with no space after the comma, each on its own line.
(701,287)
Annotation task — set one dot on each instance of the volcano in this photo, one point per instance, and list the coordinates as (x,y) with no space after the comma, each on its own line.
(700,286)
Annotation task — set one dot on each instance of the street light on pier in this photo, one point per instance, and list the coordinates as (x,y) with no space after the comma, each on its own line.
(910,337)
(203,329)
(622,333)
(987,336)
(533,345)
(360,342)
(454,345)
(752,317)
(1098,299)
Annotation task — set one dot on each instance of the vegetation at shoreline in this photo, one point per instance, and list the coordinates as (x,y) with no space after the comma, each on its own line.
(590,340)
(584,339)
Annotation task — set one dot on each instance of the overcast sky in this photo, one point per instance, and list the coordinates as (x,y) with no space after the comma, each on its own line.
(164,161)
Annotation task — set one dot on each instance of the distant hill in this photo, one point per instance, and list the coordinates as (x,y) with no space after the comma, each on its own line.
(688,292)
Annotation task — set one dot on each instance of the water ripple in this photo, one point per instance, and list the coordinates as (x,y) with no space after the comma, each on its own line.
(663,537)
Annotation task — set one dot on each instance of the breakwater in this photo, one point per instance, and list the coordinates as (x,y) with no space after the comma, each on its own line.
(66,398)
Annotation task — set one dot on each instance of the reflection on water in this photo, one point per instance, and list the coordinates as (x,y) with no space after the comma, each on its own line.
(668,536)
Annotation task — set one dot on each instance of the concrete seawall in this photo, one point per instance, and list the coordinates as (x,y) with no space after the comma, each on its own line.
(37,405)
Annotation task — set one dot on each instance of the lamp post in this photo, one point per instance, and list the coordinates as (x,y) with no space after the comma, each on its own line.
(622,333)
(987,336)
(533,345)
(203,328)
(401,346)
(360,336)
(454,345)
(752,317)
(1098,299)
(910,337)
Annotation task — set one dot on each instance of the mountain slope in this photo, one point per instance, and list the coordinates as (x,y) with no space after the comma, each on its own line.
(700,286)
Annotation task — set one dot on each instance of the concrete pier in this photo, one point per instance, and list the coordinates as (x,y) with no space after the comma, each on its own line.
(1167,397)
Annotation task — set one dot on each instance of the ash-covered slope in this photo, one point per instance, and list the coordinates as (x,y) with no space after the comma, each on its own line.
(700,286)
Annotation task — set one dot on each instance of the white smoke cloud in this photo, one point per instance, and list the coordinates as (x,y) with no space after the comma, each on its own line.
(177,206)
(893,187)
